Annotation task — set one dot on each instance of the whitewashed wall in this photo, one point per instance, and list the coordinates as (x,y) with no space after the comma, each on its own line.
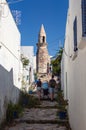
(28,52)
(76,69)
(34,64)
(9,59)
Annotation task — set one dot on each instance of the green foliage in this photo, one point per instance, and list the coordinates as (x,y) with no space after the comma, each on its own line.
(25,61)
(28,101)
(62,106)
(13,111)
(35,76)
(56,64)
(60,99)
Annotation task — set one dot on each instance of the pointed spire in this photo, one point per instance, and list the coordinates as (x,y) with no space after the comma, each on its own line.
(42,31)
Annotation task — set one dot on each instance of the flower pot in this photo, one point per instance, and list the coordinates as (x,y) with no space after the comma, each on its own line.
(15,114)
(62,114)
(30,92)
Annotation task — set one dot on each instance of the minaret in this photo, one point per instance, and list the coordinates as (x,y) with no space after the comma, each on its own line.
(42,35)
(42,56)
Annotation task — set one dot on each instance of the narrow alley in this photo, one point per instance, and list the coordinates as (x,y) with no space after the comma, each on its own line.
(42,65)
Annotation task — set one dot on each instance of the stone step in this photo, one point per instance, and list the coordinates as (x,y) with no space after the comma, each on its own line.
(47,107)
(26,126)
(58,121)
(48,104)
(43,116)
(38,114)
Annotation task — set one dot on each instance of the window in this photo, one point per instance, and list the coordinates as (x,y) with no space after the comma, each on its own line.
(75,33)
(43,39)
(83,17)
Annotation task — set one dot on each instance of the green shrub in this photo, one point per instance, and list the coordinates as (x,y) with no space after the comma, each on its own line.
(61,101)
(27,100)
(13,111)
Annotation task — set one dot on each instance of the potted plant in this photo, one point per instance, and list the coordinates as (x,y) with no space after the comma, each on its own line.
(62,112)
(31,90)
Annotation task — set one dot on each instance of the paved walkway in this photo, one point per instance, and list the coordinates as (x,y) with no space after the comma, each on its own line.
(44,117)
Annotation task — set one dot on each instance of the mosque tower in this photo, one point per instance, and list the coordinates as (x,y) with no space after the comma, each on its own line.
(42,56)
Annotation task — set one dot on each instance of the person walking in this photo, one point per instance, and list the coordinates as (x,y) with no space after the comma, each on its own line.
(52,84)
(39,85)
(45,88)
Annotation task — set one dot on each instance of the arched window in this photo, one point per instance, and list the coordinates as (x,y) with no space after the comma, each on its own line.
(43,39)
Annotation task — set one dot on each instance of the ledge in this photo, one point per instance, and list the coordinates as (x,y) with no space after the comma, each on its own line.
(75,55)
(82,43)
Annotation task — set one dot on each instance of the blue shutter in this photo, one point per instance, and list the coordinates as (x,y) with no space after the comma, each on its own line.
(83,17)
(75,33)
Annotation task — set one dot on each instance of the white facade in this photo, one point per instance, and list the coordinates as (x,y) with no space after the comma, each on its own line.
(28,73)
(74,68)
(9,59)
(34,64)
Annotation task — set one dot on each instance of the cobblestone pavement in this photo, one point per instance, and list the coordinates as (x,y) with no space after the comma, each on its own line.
(42,118)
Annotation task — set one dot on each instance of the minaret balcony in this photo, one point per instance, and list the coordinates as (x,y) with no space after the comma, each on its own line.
(41,44)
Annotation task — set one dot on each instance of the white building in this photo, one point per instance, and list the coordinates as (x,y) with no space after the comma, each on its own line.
(28,73)
(34,64)
(10,64)
(74,64)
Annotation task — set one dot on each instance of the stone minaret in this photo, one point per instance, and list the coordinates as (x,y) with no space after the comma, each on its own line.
(42,56)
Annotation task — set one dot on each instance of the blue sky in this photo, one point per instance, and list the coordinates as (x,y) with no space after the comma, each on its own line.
(51,13)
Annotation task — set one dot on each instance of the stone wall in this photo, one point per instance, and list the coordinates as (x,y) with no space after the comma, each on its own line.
(43,60)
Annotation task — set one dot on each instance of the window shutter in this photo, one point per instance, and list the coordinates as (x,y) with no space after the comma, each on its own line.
(83,17)
(75,33)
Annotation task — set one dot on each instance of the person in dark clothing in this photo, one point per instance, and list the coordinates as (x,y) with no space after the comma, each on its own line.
(39,85)
(52,84)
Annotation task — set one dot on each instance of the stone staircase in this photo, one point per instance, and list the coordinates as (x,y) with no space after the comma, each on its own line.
(42,117)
